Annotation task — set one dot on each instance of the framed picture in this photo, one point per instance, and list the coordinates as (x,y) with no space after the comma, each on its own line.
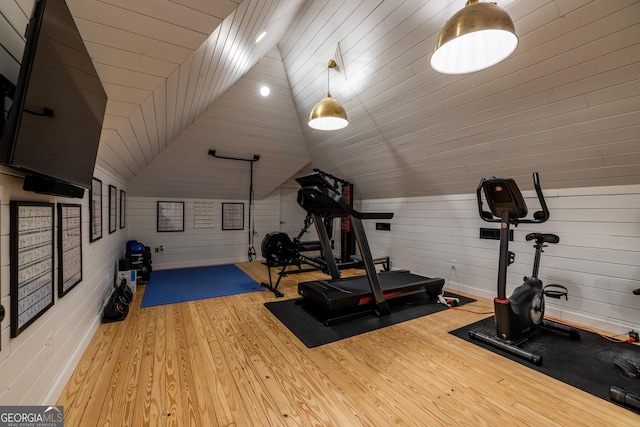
(31,271)
(95,210)
(233,216)
(123,208)
(203,214)
(113,208)
(170,216)
(69,247)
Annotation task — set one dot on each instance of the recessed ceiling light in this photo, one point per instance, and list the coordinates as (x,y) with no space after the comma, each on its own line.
(261,36)
(265,91)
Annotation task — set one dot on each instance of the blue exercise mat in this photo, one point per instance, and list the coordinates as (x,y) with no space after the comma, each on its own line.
(189,284)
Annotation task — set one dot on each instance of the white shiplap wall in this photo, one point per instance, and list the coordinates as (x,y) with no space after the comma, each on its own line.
(200,246)
(597,258)
(29,377)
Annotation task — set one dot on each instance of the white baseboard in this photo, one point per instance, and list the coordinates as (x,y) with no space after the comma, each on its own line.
(199,263)
(62,378)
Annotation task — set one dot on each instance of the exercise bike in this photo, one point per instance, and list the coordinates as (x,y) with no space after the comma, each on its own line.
(520,314)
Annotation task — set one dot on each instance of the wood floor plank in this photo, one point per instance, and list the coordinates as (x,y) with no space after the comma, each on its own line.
(225,397)
(254,396)
(294,397)
(143,413)
(77,393)
(158,401)
(173,399)
(186,374)
(198,353)
(229,362)
(121,385)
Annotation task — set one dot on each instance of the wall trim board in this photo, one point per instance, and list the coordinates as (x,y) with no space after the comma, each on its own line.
(199,263)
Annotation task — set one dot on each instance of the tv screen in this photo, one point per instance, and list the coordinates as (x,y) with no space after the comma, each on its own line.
(54,124)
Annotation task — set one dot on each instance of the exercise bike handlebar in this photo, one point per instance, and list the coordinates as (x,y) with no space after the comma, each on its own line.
(538,216)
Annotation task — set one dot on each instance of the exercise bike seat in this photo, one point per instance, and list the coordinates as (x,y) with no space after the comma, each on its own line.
(543,237)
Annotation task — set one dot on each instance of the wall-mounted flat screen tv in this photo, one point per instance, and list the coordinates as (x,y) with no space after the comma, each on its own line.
(53,126)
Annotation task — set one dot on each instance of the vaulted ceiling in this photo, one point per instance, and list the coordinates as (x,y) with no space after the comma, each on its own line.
(182,77)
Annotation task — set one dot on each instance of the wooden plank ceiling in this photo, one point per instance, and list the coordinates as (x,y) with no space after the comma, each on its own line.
(182,77)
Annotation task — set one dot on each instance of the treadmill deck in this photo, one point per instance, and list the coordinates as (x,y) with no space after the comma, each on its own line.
(355,291)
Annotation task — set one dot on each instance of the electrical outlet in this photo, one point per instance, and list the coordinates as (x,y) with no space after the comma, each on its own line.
(161,248)
(453,264)
(49,346)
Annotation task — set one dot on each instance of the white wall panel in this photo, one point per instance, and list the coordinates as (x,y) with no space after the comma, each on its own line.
(596,258)
(200,246)
(30,377)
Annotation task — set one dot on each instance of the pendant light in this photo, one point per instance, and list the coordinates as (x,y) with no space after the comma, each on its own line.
(476,37)
(328,114)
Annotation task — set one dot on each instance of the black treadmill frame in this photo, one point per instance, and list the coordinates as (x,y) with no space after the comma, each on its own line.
(318,198)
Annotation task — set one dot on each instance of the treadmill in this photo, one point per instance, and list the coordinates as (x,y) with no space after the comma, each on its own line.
(353,294)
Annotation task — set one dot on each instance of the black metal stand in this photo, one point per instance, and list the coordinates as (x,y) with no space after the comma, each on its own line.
(511,347)
(274,288)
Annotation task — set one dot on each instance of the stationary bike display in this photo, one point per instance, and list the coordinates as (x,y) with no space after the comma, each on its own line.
(520,314)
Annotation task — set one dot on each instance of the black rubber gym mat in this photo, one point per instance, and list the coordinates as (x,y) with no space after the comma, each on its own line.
(307,324)
(587,364)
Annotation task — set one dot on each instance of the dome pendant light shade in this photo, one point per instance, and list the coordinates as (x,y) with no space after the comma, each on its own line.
(328,114)
(476,37)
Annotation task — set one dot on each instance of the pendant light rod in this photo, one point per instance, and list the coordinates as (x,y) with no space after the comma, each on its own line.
(332,64)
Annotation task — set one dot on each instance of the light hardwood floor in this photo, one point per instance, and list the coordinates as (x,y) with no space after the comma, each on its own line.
(228,362)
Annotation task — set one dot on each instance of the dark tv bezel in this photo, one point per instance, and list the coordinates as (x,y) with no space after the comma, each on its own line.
(10,135)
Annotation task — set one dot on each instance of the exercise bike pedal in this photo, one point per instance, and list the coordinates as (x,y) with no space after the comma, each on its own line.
(556,291)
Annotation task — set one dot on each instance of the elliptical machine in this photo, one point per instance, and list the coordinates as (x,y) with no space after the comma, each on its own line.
(520,314)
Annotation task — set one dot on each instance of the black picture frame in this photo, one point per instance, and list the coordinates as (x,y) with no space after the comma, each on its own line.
(69,247)
(233,216)
(95,210)
(113,208)
(123,209)
(32,257)
(170,217)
